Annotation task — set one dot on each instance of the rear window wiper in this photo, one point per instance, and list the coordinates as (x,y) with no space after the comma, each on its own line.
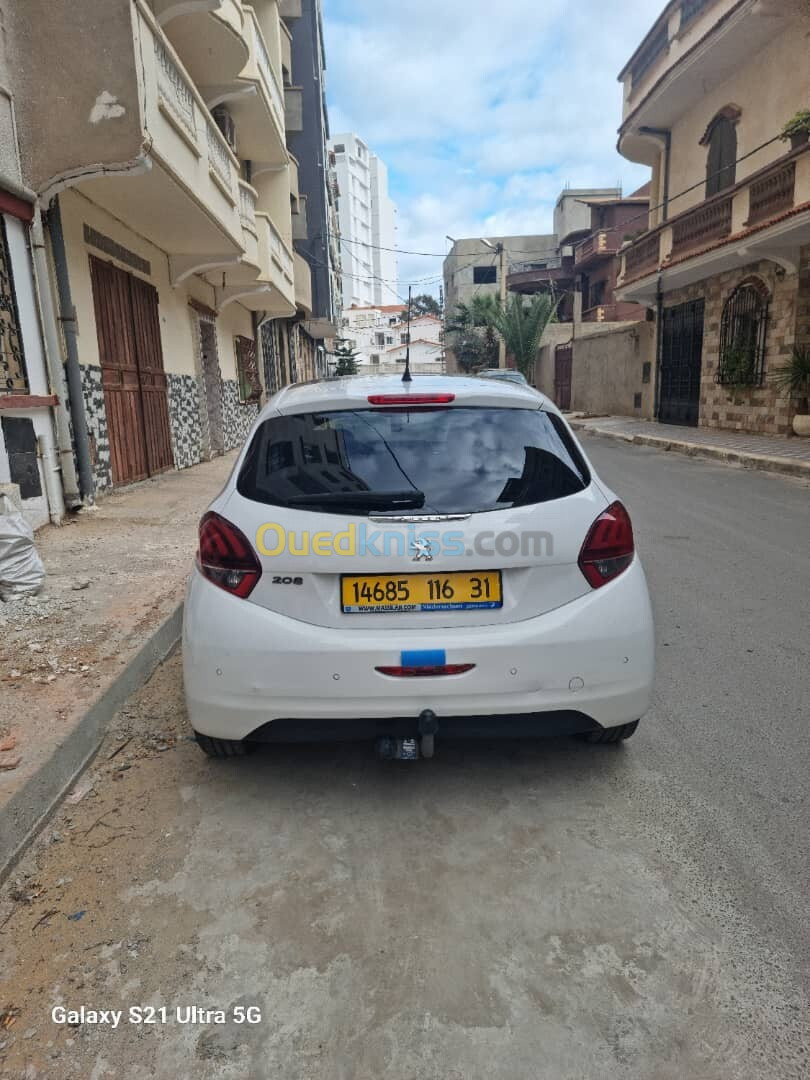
(364,500)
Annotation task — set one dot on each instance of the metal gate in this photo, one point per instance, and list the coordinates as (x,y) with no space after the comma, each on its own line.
(134,383)
(563,362)
(681,354)
(212,384)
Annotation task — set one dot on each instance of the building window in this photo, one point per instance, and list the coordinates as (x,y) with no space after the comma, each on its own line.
(403,339)
(375,358)
(340,148)
(13,378)
(742,335)
(379,339)
(247,370)
(485,275)
(389,339)
(721,161)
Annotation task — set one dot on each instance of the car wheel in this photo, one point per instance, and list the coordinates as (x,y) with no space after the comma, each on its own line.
(611,734)
(222,748)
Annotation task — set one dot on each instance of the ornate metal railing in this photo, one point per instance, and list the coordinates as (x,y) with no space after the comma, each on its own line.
(643,254)
(707,222)
(218,156)
(174,88)
(772,193)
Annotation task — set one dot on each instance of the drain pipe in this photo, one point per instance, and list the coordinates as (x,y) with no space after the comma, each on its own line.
(665,135)
(53,358)
(67,318)
(659,345)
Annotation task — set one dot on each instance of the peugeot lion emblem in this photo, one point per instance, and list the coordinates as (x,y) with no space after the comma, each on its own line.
(422,551)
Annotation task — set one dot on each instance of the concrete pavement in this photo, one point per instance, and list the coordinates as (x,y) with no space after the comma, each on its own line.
(548,911)
(769,453)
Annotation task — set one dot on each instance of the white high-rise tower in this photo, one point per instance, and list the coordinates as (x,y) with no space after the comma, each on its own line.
(368,228)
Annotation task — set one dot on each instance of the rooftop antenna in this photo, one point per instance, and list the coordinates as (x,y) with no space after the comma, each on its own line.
(406,375)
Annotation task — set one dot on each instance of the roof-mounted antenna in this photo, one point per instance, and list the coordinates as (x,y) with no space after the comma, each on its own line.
(406,375)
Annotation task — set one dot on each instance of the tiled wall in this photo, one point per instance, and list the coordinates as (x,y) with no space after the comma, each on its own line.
(238,418)
(185,420)
(96,414)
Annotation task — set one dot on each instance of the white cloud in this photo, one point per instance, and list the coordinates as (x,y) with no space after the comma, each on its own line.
(482,112)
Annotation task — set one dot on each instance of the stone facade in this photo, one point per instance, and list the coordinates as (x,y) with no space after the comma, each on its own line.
(763,409)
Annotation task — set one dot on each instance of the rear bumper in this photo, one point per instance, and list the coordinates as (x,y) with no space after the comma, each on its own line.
(246,667)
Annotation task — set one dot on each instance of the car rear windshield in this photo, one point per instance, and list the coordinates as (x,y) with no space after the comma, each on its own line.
(453,460)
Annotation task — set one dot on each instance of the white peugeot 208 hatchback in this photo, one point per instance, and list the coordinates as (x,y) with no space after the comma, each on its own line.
(408,562)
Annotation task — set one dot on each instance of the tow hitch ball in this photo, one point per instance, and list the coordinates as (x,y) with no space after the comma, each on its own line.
(391,749)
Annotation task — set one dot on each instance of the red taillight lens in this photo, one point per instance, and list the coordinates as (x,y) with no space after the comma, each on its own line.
(411,399)
(225,556)
(609,547)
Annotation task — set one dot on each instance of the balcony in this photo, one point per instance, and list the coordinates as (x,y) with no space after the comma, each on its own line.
(185,198)
(255,101)
(303,284)
(209,37)
(694,47)
(764,216)
(530,280)
(596,246)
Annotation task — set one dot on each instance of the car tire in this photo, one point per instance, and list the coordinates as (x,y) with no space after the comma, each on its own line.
(611,734)
(222,748)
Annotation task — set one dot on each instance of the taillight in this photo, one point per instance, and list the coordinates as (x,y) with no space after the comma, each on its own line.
(411,399)
(225,556)
(609,548)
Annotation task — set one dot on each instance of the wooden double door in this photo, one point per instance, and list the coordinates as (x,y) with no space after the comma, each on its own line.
(134,382)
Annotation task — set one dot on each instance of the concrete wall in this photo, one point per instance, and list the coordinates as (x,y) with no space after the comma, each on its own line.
(769,87)
(608,371)
(59,73)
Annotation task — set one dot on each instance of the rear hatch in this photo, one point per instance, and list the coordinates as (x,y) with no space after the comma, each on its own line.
(359,514)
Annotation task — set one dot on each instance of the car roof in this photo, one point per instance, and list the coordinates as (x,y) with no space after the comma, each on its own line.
(352,391)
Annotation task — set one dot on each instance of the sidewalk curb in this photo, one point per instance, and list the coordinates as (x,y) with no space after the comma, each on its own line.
(763,462)
(28,810)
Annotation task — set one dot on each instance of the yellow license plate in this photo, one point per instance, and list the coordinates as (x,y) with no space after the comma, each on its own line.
(375,594)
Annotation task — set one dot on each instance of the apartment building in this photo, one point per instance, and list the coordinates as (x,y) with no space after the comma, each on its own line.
(315,227)
(725,259)
(367,217)
(159,168)
(380,335)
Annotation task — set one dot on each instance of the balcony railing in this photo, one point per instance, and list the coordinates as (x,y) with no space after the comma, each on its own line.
(643,255)
(219,157)
(655,47)
(602,242)
(706,223)
(772,193)
(274,92)
(175,88)
(247,205)
(278,250)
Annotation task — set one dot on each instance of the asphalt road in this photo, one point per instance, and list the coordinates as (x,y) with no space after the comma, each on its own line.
(549,911)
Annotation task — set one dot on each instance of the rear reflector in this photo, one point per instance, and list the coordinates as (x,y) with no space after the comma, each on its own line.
(226,558)
(609,546)
(422,672)
(411,399)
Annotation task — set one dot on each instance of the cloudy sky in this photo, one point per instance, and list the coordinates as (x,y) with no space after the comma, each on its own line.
(483,111)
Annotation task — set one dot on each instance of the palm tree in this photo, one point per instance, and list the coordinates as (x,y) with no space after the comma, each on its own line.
(522,325)
(471,333)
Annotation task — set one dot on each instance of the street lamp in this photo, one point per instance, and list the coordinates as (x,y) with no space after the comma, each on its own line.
(500,250)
